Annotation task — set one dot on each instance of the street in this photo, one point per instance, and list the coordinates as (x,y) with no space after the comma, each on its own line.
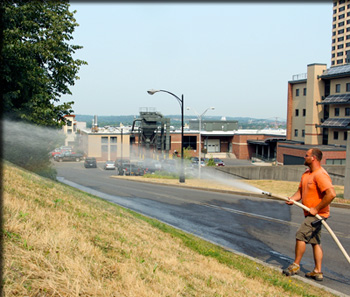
(260,228)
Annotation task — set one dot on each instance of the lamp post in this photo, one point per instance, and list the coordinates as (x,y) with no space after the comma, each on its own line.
(199,116)
(181,102)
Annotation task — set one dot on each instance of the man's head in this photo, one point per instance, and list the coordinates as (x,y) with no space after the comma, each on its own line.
(313,156)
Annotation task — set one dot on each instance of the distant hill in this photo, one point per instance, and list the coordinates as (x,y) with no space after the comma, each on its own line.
(175,120)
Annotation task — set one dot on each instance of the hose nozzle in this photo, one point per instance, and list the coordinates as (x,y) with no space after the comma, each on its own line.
(266,193)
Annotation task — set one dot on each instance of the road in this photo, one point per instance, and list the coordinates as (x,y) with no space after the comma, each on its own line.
(258,227)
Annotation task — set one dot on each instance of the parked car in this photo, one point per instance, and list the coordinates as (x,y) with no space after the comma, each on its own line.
(68,156)
(219,162)
(129,169)
(90,162)
(109,165)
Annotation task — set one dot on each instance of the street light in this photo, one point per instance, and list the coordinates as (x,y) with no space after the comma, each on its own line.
(181,102)
(199,116)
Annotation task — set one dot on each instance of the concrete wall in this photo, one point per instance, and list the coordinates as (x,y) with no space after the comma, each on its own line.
(287,173)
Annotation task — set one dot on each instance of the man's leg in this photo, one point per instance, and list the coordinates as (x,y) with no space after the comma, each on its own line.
(300,247)
(318,256)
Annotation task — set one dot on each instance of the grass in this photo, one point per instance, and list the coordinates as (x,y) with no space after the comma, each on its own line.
(59,241)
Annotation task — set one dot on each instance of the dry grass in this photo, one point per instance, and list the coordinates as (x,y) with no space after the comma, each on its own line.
(62,242)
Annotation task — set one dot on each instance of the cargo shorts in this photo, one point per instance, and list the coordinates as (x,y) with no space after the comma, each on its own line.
(308,233)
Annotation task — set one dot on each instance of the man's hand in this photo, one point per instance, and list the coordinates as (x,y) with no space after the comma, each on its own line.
(313,211)
(290,201)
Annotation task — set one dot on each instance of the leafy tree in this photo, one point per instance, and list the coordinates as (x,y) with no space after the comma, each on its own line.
(37,64)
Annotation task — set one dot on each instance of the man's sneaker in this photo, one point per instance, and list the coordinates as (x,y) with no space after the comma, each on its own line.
(292,269)
(315,275)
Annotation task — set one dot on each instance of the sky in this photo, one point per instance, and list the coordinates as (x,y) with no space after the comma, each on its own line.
(235,57)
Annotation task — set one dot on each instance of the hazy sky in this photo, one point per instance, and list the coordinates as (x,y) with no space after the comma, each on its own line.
(235,57)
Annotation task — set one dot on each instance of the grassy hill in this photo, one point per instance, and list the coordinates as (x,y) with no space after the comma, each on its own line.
(59,241)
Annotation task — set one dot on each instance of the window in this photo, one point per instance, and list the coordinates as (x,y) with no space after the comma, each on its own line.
(337,88)
(335,161)
(334,11)
(347,111)
(341,31)
(348,29)
(333,55)
(104,148)
(333,40)
(190,142)
(341,16)
(336,112)
(332,63)
(297,112)
(341,8)
(340,54)
(346,135)
(304,91)
(104,139)
(335,135)
(333,48)
(297,92)
(334,19)
(340,38)
(296,132)
(340,46)
(334,33)
(348,44)
(303,133)
(304,112)
(348,87)
(348,22)
(334,26)
(341,24)
(113,148)
(113,139)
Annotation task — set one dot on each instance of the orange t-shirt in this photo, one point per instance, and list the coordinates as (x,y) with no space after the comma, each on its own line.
(313,186)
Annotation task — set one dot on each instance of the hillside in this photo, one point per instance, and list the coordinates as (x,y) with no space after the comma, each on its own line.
(59,241)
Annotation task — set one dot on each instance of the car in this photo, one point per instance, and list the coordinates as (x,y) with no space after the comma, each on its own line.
(109,165)
(68,156)
(219,162)
(90,162)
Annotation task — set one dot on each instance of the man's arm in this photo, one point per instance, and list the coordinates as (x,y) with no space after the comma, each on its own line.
(295,197)
(326,200)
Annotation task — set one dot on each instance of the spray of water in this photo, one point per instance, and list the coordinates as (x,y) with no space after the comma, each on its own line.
(28,145)
(230,180)
(174,166)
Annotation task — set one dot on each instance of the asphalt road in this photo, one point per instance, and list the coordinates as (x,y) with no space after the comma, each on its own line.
(258,227)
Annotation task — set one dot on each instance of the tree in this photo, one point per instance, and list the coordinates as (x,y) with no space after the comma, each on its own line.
(37,64)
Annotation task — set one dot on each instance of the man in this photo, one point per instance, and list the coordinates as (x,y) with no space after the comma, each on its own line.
(316,192)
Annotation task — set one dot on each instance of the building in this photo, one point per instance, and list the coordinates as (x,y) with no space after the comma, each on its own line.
(318,103)
(318,114)
(341,33)
(106,143)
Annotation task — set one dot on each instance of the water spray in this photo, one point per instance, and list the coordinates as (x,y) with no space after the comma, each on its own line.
(320,219)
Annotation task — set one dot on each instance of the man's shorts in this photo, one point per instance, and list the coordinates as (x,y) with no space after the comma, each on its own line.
(308,233)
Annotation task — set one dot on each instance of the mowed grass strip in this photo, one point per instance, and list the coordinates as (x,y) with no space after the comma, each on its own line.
(59,241)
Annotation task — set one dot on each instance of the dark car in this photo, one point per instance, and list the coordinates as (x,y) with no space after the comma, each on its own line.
(129,169)
(68,156)
(90,163)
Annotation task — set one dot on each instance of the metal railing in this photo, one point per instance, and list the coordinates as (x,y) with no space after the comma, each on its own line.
(299,76)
